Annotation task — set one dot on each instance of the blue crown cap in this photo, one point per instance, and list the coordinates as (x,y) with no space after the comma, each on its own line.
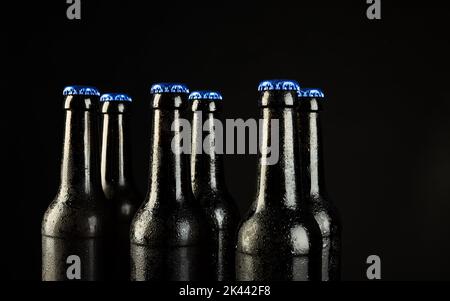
(316,93)
(80,90)
(205,95)
(279,85)
(115,97)
(168,88)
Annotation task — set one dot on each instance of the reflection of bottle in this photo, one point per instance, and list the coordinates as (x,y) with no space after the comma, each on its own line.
(75,225)
(116,177)
(279,240)
(166,233)
(313,181)
(208,185)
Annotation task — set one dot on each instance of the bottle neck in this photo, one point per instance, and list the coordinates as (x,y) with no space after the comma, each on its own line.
(311,153)
(79,167)
(169,171)
(207,173)
(115,161)
(279,182)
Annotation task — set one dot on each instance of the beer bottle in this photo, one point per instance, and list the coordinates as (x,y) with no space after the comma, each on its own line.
(310,103)
(208,185)
(116,176)
(75,225)
(278,239)
(166,233)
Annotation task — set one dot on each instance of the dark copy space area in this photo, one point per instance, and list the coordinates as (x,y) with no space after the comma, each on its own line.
(385,122)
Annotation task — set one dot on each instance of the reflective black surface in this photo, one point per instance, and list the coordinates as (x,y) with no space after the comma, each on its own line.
(117,182)
(279,239)
(167,233)
(77,221)
(208,185)
(314,188)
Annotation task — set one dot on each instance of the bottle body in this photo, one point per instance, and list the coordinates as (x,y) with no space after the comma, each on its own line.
(124,208)
(278,245)
(209,188)
(167,244)
(75,227)
(117,182)
(70,250)
(167,238)
(279,239)
(319,205)
(222,219)
(327,218)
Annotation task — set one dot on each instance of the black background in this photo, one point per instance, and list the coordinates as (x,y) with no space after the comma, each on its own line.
(386,123)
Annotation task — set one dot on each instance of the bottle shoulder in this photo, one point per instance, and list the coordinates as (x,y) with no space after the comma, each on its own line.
(220,210)
(284,231)
(325,214)
(125,193)
(171,226)
(125,202)
(77,216)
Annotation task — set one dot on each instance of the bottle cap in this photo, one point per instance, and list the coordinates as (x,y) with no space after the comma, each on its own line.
(316,93)
(80,90)
(115,97)
(168,88)
(205,95)
(279,85)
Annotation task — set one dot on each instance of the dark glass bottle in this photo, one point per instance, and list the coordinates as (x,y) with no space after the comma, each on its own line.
(76,224)
(167,238)
(116,176)
(278,240)
(313,181)
(208,185)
